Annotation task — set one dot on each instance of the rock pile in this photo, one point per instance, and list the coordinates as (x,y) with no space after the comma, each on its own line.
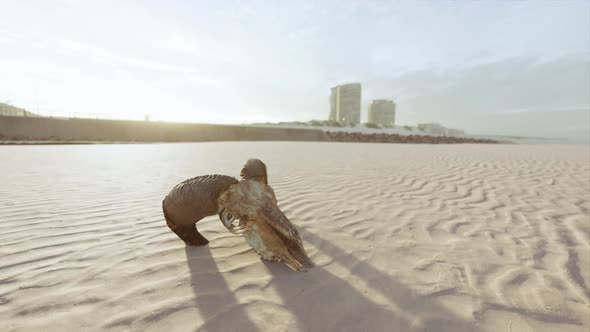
(395,138)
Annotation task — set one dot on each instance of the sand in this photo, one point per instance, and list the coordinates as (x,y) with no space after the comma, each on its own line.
(405,238)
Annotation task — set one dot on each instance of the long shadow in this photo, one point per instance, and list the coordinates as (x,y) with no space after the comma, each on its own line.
(217,303)
(321,301)
(317,298)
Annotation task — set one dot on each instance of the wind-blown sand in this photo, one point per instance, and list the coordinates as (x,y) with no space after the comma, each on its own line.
(405,238)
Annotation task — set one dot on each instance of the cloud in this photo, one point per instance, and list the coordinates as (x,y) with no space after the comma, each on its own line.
(503,93)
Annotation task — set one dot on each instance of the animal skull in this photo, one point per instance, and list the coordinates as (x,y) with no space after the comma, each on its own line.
(249,208)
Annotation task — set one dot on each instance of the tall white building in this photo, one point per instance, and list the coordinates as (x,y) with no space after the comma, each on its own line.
(345,103)
(382,112)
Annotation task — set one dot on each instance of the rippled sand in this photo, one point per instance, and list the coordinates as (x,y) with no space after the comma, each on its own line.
(405,238)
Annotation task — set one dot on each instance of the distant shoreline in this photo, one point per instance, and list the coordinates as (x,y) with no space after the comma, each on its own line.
(56,131)
(25,142)
(352,138)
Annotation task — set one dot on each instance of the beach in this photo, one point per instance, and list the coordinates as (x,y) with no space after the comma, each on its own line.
(405,237)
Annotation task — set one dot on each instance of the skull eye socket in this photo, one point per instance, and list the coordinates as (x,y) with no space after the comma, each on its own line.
(232,223)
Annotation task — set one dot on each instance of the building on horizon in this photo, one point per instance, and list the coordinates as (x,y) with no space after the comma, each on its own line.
(433,128)
(438,129)
(382,112)
(345,103)
(455,132)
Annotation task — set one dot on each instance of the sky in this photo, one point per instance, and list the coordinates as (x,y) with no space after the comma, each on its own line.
(487,67)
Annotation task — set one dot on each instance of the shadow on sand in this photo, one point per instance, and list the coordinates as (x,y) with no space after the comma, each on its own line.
(320,300)
(327,297)
(217,303)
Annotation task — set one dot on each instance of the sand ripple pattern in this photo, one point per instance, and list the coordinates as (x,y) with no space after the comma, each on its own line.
(405,238)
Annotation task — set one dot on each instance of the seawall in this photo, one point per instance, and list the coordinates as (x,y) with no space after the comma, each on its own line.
(60,129)
(23,130)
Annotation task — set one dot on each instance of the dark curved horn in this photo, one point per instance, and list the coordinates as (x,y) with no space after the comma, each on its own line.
(192,200)
(255,169)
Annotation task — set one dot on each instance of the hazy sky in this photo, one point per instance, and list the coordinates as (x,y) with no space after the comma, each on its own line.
(505,67)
